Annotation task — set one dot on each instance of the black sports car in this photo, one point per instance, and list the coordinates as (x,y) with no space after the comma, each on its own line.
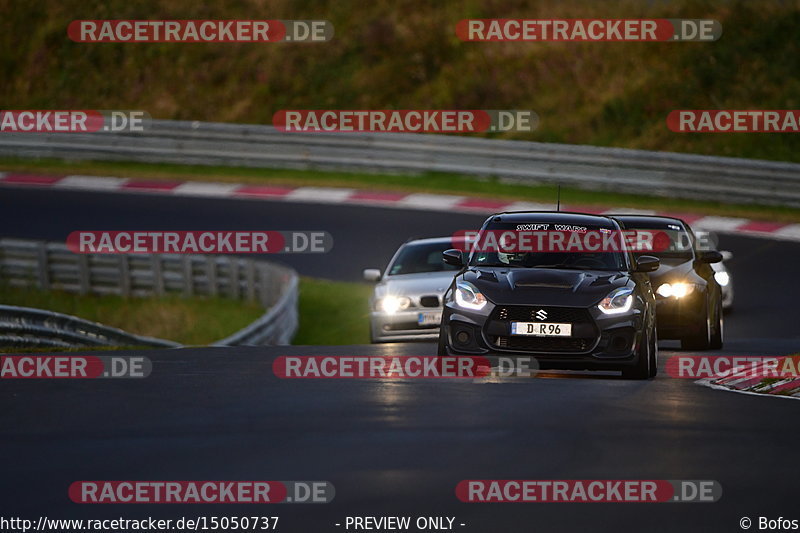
(688,297)
(583,310)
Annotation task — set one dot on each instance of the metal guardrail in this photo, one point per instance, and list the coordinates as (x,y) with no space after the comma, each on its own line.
(24,326)
(276,326)
(204,143)
(49,265)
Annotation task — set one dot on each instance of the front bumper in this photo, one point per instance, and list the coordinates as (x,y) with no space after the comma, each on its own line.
(679,317)
(403,326)
(598,342)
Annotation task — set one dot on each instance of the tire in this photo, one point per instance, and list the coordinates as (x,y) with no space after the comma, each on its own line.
(654,354)
(718,330)
(702,339)
(642,369)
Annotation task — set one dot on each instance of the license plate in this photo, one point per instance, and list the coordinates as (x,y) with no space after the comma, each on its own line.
(429,318)
(541,329)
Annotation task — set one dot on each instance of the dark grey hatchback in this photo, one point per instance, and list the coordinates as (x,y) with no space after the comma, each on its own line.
(580,308)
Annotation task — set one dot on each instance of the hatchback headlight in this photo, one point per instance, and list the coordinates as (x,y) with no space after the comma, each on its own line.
(677,290)
(469,297)
(392,304)
(618,301)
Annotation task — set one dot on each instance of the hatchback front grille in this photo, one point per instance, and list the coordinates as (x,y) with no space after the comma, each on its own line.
(542,344)
(528,313)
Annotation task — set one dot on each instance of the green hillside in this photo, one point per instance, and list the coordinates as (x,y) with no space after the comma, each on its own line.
(403,54)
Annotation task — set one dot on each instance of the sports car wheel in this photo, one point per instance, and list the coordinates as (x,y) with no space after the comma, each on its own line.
(718,330)
(642,370)
(654,354)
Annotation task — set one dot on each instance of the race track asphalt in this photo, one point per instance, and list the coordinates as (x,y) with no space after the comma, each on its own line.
(394,447)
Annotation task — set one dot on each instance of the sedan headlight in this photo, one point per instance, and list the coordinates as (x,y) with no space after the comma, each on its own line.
(678,289)
(618,301)
(392,304)
(469,297)
(722,278)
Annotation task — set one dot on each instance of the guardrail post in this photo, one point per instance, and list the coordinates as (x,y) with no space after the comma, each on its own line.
(234,272)
(125,281)
(44,266)
(84,280)
(158,274)
(188,276)
(211,275)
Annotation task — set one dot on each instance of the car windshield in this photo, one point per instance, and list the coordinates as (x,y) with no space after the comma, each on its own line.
(563,260)
(415,258)
(680,241)
(553,250)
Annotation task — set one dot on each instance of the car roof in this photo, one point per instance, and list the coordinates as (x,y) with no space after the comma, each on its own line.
(555,217)
(648,219)
(434,240)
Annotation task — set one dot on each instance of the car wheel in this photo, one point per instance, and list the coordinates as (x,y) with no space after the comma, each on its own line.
(654,354)
(702,339)
(719,329)
(642,368)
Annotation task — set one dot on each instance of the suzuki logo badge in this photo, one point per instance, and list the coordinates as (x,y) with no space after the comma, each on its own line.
(541,314)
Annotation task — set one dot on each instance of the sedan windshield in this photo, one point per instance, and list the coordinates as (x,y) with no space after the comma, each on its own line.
(417,258)
(680,241)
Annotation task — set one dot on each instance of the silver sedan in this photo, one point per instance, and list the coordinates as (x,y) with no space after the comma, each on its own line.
(406,304)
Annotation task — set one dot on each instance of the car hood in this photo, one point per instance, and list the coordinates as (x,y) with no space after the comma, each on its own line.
(545,286)
(672,269)
(419,284)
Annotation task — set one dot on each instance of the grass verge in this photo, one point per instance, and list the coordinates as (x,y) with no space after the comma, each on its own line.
(331,313)
(432,182)
(192,321)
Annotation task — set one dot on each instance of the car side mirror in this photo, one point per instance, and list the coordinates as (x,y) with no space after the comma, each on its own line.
(726,255)
(453,257)
(372,274)
(647,263)
(710,256)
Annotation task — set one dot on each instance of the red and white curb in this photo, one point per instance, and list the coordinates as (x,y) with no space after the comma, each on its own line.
(754,382)
(331,195)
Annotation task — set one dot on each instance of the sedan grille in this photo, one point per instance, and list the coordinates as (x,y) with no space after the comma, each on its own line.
(429,301)
(583,327)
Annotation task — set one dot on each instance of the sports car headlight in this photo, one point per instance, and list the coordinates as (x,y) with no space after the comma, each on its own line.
(722,278)
(469,297)
(678,290)
(618,301)
(392,304)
